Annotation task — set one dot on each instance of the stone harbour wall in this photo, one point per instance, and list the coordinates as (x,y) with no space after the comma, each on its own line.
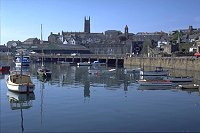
(185,63)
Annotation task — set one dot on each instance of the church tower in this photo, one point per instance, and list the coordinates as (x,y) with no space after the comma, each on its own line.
(126,31)
(87,25)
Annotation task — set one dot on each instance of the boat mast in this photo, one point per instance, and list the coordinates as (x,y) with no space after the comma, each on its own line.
(22,119)
(41,34)
(42,97)
(21,63)
(42,46)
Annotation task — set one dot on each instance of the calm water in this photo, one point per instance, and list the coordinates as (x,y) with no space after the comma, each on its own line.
(73,100)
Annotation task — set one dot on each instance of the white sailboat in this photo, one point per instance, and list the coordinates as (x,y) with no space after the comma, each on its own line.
(20,82)
(43,71)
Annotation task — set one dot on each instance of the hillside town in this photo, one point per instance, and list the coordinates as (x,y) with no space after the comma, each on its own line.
(180,42)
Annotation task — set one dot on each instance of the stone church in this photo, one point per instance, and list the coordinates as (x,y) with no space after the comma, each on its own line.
(109,42)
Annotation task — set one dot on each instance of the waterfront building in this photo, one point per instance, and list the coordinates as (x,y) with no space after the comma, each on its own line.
(3,48)
(109,42)
(55,38)
(31,41)
(114,41)
(198,45)
(13,43)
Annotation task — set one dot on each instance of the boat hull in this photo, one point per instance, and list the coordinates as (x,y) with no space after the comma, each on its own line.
(154,87)
(129,71)
(23,85)
(19,61)
(153,73)
(179,79)
(154,83)
(4,68)
(189,86)
(84,64)
(43,74)
(18,64)
(97,63)
(20,88)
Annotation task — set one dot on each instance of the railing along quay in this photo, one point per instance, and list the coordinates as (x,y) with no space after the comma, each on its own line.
(187,62)
(109,59)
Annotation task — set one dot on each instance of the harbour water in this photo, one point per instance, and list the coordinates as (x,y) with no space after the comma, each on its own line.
(75,101)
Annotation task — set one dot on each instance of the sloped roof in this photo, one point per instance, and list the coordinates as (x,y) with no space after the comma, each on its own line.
(30,39)
(61,47)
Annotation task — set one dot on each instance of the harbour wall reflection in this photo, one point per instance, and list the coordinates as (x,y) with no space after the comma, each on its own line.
(64,75)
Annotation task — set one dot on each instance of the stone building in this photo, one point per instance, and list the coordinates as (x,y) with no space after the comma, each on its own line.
(13,43)
(3,48)
(111,49)
(55,38)
(142,36)
(198,45)
(31,41)
(110,42)
(112,33)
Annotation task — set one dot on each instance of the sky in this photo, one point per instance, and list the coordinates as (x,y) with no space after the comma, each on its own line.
(21,19)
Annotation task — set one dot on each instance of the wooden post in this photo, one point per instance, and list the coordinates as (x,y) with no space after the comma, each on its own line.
(116,62)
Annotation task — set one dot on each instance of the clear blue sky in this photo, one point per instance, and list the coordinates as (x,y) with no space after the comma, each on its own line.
(21,19)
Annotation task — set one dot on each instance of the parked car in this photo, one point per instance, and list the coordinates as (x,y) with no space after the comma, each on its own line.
(75,54)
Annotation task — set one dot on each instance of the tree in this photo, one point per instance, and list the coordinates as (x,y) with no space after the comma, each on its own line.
(177,34)
(147,43)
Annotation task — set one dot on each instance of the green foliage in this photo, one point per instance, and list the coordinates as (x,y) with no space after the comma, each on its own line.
(175,36)
(184,47)
(146,44)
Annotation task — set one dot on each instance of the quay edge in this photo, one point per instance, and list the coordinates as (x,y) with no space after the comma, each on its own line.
(185,63)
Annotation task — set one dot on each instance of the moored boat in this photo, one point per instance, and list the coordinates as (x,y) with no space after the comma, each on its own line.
(134,70)
(22,61)
(4,68)
(84,64)
(44,72)
(101,72)
(97,63)
(20,83)
(145,82)
(189,86)
(158,72)
(154,87)
(179,79)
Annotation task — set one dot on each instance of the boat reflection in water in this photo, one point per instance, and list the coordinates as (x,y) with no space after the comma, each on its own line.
(20,101)
(87,89)
(155,87)
(43,79)
(189,87)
